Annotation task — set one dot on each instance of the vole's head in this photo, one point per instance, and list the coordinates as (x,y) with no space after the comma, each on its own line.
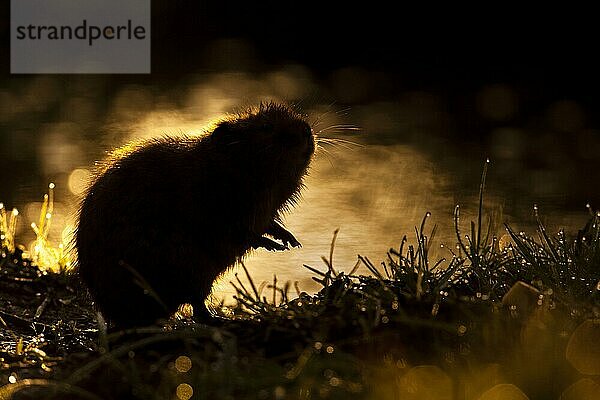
(270,147)
(271,137)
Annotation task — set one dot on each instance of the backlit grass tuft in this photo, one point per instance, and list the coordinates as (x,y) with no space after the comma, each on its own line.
(510,316)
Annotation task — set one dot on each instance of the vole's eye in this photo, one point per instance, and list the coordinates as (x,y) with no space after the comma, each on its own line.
(221,130)
(225,133)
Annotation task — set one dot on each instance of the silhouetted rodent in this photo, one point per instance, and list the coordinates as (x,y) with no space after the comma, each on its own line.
(165,217)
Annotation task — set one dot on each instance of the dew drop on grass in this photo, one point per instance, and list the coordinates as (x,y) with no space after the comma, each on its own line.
(184,391)
(183,364)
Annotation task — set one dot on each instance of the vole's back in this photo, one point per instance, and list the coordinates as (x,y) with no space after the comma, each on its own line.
(164,218)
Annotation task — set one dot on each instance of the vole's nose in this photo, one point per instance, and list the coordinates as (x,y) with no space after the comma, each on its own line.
(310,138)
(306,130)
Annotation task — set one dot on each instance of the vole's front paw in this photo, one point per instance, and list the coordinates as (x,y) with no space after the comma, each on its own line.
(268,244)
(292,241)
(278,231)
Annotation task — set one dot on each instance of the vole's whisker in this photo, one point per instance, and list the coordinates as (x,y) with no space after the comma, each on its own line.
(318,120)
(333,139)
(329,142)
(327,153)
(349,142)
(320,117)
(339,145)
(339,141)
(329,109)
(340,128)
(343,111)
(319,147)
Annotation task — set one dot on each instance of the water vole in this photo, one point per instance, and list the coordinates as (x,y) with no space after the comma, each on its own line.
(165,217)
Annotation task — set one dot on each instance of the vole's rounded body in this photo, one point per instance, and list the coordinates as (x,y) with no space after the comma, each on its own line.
(165,217)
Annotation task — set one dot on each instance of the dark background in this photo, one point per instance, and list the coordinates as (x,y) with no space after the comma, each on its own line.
(439,49)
